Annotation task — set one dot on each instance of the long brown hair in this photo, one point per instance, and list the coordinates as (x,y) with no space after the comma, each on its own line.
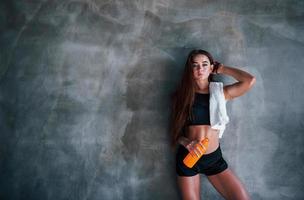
(183,97)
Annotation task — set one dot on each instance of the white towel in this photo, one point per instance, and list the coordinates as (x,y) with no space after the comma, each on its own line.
(217,107)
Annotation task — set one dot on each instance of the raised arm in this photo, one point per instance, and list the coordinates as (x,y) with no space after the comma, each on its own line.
(245,81)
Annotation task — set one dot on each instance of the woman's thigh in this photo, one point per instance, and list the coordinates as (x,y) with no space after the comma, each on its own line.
(189,187)
(229,185)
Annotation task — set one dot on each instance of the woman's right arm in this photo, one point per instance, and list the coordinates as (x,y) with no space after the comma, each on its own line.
(183,141)
(190,145)
(187,143)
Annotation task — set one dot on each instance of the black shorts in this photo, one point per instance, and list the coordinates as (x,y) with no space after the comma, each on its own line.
(209,164)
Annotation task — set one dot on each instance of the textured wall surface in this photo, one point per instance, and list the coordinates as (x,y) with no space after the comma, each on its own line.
(84,88)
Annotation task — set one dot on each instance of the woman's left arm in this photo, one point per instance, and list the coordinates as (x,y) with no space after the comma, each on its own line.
(245,81)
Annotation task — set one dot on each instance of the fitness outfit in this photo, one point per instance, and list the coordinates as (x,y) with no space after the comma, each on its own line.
(200,110)
(208,164)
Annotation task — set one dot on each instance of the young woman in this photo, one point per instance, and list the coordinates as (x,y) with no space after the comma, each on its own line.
(191,122)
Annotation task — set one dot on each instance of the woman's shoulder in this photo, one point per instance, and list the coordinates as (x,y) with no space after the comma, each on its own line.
(219,88)
(217,83)
(216,86)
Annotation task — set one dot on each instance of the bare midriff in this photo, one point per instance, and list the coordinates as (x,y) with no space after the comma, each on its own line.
(199,132)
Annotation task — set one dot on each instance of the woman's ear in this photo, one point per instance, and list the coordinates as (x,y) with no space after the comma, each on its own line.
(211,67)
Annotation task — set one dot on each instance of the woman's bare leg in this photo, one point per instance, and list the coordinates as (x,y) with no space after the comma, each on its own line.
(229,185)
(189,187)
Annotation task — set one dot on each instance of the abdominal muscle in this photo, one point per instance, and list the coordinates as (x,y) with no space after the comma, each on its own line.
(199,132)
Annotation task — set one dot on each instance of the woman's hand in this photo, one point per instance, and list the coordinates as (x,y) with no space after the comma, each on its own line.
(193,148)
(191,145)
(217,67)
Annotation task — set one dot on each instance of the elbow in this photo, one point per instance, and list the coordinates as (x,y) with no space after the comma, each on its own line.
(251,82)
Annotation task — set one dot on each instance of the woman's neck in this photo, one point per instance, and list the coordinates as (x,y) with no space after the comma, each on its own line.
(202,86)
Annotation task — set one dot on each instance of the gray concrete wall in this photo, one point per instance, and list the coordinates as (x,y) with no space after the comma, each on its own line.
(84,91)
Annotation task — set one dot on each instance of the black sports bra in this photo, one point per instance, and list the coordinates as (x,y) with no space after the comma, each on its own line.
(200,110)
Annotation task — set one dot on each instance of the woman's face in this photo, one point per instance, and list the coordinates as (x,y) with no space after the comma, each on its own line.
(201,67)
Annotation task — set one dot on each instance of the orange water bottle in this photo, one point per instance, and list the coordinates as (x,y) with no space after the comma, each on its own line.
(190,159)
